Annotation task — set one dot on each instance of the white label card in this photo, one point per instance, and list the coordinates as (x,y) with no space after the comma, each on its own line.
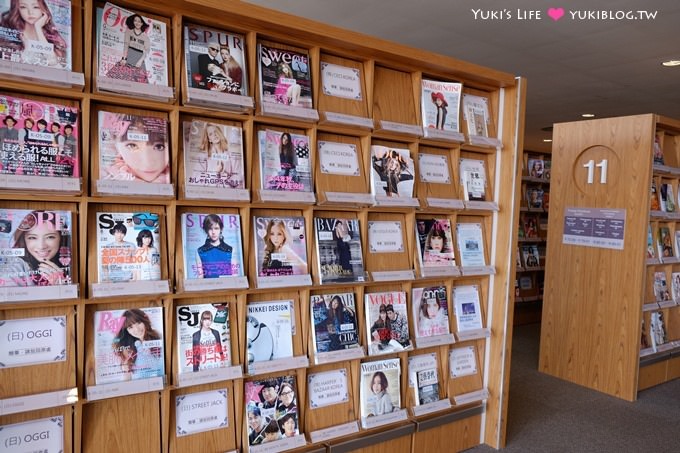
(45,435)
(385,237)
(32,341)
(199,412)
(334,431)
(338,159)
(341,81)
(463,361)
(328,388)
(434,168)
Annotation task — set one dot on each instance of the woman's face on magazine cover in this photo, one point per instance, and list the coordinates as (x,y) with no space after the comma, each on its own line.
(376,385)
(289,427)
(276,236)
(137,330)
(146,159)
(30,11)
(432,308)
(214,232)
(436,243)
(213,135)
(43,241)
(137,22)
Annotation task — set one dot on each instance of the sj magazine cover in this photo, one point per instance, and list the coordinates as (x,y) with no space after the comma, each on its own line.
(338,245)
(203,341)
(213,155)
(215,60)
(128,344)
(35,247)
(133,148)
(280,246)
(334,321)
(285,161)
(131,47)
(212,245)
(38,138)
(36,32)
(285,76)
(128,245)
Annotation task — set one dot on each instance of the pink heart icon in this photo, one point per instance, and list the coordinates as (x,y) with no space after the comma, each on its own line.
(555,13)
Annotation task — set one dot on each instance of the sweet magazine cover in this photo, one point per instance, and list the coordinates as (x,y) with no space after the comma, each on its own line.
(133,148)
(215,60)
(269,331)
(131,47)
(338,247)
(213,155)
(36,32)
(128,247)
(280,246)
(440,102)
(285,76)
(38,138)
(271,409)
(284,161)
(386,322)
(392,172)
(128,344)
(435,243)
(35,247)
(430,311)
(334,322)
(380,392)
(212,245)
(203,341)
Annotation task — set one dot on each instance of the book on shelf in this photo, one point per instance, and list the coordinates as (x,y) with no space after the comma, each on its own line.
(380,391)
(665,242)
(213,155)
(128,247)
(547,167)
(657,328)
(131,47)
(133,148)
(476,114)
(203,340)
(530,256)
(435,244)
(215,60)
(386,322)
(284,161)
(530,226)
(285,76)
(650,242)
(430,311)
(48,45)
(675,286)
(536,167)
(526,285)
(535,197)
(36,248)
(212,245)
(645,339)
(334,322)
(546,200)
(38,138)
(271,409)
(440,102)
(280,246)
(467,307)
(518,259)
(658,151)
(338,248)
(667,203)
(470,244)
(423,378)
(473,179)
(655,205)
(269,331)
(392,172)
(128,344)
(661,292)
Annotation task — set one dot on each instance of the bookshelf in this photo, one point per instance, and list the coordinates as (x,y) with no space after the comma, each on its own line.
(478,404)
(596,327)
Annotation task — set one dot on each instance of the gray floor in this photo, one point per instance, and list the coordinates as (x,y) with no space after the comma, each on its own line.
(546,414)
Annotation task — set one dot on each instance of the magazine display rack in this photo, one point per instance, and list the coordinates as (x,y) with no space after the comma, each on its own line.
(612,323)
(367,94)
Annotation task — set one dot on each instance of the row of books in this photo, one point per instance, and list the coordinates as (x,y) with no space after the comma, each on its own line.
(656,334)
(662,244)
(662,198)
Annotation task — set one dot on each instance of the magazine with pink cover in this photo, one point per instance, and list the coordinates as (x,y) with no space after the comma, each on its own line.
(280,246)
(133,148)
(285,161)
(38,138)
(430,311)
(435,243)
(285,76)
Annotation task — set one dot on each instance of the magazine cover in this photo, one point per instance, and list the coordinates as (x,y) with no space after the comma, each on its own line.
(334,322)
(280,246)
(271,409)
(213,155)
(467,307)
(430,311)
(128,344)
(423,378)
(35,247)
(380,391)
(536,168)
(473,178)
(665,242)
(128,246)
(284,161)
(285,76)
(338,247)
(386,322)
(531,256)
(269,330)
(471,244)
(131,47)
(212,245)
(435,244)
(203,339)
(133,148)
(36,32)
(38,138)
(658,151)
(215,60)
(675,286)
(661,291)
(654,204)
(476,113)
(440,102)
(535,197)
(650,242)
(392,172)
(657,329)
